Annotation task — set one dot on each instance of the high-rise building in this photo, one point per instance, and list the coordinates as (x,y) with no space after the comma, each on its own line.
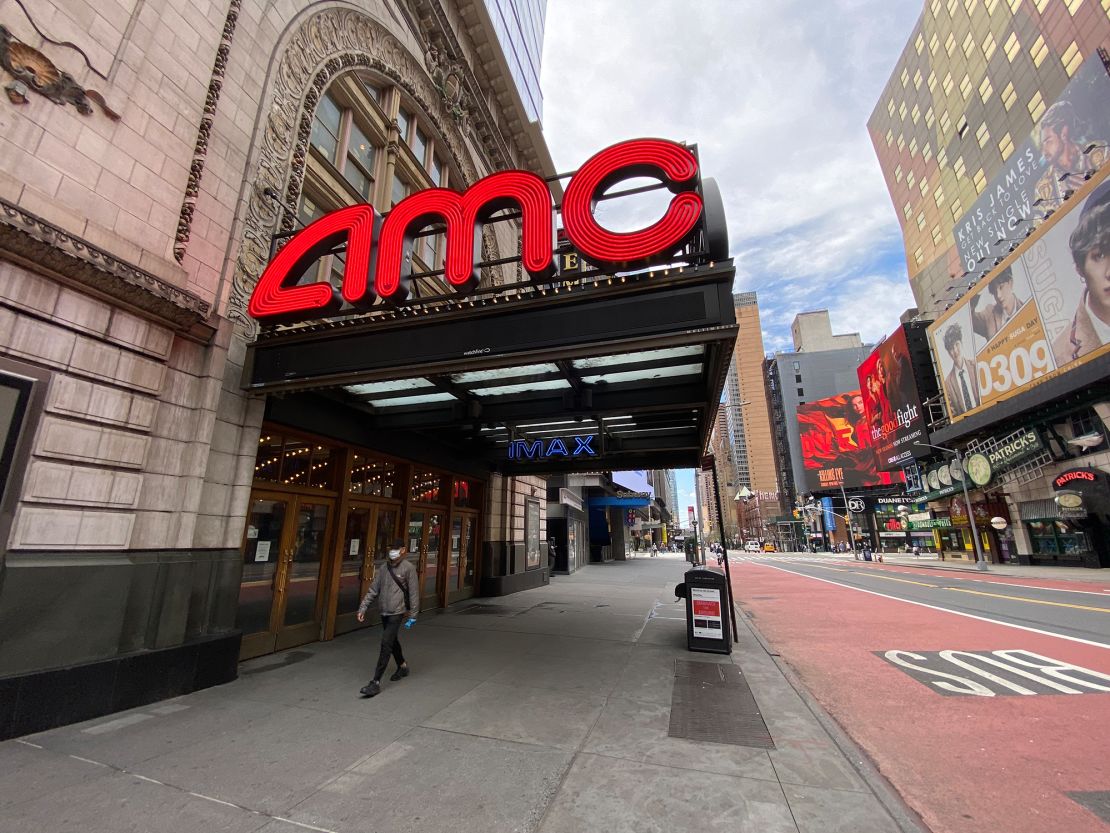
(975,80)
(808,374)
(749,419)
(519,26)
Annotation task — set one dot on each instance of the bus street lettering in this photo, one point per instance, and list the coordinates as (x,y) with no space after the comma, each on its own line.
(990,673)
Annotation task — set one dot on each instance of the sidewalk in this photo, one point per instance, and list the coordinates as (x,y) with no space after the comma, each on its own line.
(543,711)
(1008,570)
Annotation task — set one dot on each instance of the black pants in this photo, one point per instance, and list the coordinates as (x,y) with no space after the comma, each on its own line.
(391,643)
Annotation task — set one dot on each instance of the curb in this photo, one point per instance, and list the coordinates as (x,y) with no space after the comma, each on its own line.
(887,795)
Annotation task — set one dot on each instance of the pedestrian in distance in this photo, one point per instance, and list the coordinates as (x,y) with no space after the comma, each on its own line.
(397,589)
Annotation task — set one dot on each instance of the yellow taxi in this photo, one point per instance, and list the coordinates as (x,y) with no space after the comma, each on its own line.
(769,547)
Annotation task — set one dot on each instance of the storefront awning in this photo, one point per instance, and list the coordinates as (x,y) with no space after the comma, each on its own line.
(1047,510)
(620,372)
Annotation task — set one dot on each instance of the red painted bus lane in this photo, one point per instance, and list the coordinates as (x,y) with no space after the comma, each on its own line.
(966,762)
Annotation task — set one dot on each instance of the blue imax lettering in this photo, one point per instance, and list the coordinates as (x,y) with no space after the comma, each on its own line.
(535,450)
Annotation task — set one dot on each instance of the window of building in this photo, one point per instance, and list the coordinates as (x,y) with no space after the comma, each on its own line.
(989,45)
(1056,538)
(968,44)
(1038,51)
(934,43)
(911,180)
(435,171)
(901,142)
(400,190)
(325,127)
(942,157)
(1040,4)
(798,378)
(934,7)
(1071,58)
(907,210)
(1009,96)
(945,122)
(904,77)
(970,6)
(1036,106)
(1006,146)
(989,6)
(919,43)
(960,168)
(982,134)
(889,138)
(948,83)
(913,147)
(890,107)
(965,86)
(936,235)
(921,221)
(801,392)
(797,366)
(917,79)
(932,81)
(915,114)
(1014,4)
(403,121)
(986,90)
(950,44)
(961,126)
(952,4)
(929,117)
(359,170)
(420,146)
(902,111)
(919,256)
(957,209)
(898,173)
(371,476)
(938,196)
(927,152)
(1012,46)
(1073,7)
(924,186)
(980,181)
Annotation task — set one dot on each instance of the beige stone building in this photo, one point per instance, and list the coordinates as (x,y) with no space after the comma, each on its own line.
(152,509)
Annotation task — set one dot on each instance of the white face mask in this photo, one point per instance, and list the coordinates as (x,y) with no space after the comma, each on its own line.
(394,555)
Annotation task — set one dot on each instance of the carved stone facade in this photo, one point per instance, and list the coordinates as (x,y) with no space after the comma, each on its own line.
(129,245)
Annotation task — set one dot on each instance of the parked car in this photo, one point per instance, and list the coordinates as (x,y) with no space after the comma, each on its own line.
(752,546)
(769,547)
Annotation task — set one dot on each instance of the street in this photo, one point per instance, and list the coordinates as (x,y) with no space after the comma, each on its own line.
(984,699)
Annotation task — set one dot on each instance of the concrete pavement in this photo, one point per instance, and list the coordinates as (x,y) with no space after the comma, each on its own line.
(543,711)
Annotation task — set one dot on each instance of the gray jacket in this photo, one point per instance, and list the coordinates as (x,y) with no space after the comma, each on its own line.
(384,588)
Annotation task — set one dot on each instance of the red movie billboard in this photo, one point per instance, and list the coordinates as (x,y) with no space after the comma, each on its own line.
(836,444)
(893,409)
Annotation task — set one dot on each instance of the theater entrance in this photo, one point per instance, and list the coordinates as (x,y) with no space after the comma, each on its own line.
(280,598)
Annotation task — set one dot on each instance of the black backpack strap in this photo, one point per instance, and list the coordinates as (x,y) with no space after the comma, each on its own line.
(404,587)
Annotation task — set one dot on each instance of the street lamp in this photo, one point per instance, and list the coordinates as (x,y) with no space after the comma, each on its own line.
(980,561)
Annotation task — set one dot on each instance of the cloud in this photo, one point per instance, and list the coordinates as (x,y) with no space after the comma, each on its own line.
(776,96)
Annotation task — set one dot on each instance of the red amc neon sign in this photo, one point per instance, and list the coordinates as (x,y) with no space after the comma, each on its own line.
(384,248)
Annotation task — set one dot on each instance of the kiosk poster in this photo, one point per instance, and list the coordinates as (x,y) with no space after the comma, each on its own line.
(1045,312)
(1068,140)
(836,444)
(708,619)
(891,402)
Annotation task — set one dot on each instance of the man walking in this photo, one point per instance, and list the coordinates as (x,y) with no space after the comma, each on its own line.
(397,588)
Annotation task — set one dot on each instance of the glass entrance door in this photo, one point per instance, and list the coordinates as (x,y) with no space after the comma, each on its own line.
(284,550)
(370,530)
(424,537)
(460,558)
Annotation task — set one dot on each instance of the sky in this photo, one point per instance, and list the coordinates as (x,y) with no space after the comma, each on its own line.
(776,94)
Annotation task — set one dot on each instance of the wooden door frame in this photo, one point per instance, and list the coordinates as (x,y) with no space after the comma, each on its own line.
(462,591)
(264,642)
(289,636)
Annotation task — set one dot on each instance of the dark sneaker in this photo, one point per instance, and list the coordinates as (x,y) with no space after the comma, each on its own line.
(371,689)
(400,673)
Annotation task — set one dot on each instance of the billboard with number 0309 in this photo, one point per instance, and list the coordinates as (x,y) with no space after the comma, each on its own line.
(1045,311)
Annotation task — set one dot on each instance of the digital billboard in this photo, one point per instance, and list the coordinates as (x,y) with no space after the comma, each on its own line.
(1068,140)
(1046,311)
(836,444)
(895,418)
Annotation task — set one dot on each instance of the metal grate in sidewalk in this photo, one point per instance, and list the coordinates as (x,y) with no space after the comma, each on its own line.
(712,702)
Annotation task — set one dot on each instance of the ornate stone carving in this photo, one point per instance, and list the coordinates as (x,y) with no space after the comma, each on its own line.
(200,150)
(31,238)
(331,42)
(27,64)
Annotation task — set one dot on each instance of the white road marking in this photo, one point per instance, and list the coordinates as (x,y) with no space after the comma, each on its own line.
(87,761)
(943,609)
(28,743)
(170,708)
(118,723)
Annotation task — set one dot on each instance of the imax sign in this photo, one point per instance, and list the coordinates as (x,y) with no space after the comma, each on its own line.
(537,450)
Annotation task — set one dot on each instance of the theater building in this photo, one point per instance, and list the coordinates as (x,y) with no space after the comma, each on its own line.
(187,482)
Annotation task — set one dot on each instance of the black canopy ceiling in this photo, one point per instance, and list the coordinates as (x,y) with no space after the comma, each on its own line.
(637,361)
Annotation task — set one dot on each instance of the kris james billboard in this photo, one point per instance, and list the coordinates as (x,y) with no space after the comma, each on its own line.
(836,444)
(1044,312)
(895,418)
